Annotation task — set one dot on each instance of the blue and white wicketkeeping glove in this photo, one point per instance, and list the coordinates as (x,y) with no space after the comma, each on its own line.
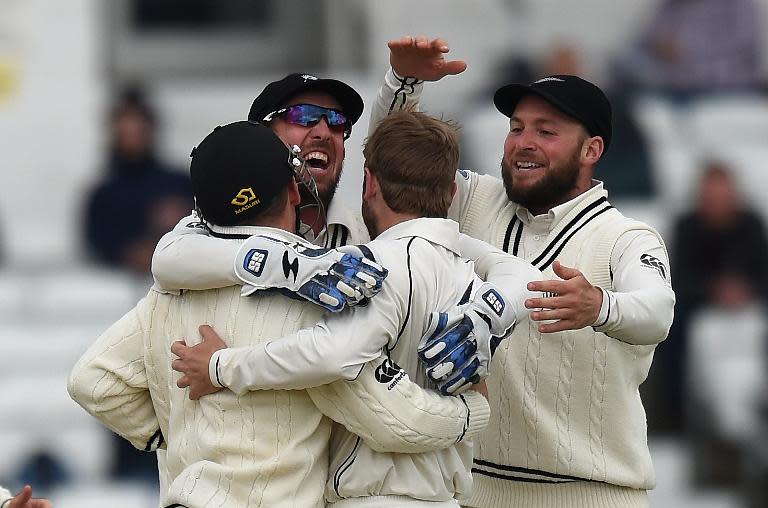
(326,277)
(459,344)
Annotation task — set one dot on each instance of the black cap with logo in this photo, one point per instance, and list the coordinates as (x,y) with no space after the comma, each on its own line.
(574,96)
(237,171)
(275,95)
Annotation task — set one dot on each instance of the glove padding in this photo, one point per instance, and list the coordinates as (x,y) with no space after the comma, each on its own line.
(459,344)
(326,277)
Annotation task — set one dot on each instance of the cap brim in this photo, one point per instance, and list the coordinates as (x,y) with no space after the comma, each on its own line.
(507,97)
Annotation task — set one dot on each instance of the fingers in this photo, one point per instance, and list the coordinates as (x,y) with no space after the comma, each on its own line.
(455,67)
(179,348)
(402,42)
(22,497)
(558,326)
(183,382)
(421,42)
(440,45)
(551,315)
(179,366)
(551,302)
(209,335)
(564,272)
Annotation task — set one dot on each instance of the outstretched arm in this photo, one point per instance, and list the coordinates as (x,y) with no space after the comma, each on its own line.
(638,310)
(381,405)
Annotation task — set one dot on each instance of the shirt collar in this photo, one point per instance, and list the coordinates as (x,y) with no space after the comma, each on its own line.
(556,214)
(236,232)
(444,232)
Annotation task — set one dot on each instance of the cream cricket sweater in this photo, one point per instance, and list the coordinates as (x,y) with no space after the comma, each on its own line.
(564,406)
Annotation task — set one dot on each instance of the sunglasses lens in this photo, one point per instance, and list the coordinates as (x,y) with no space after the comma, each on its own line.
(307,114)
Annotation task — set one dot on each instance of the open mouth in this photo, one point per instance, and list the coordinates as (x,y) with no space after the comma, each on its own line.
(317,160)
(527,166)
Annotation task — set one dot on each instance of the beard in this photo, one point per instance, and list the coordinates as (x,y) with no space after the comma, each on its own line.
(551,190)
(324,194)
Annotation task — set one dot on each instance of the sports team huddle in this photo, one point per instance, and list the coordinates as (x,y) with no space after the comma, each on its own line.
(462,340)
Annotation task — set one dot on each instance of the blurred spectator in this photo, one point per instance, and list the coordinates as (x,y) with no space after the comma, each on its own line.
(626,168)
(139,200)
(140,197)
(693,47)
(720,259)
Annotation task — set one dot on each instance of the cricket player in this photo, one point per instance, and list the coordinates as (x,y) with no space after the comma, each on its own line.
(265,448)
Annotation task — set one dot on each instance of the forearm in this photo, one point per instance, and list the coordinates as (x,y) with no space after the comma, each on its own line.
(395,94)
(110,383)
(187,259)
(399,416)
(640,307)
(642,316)
(310,357)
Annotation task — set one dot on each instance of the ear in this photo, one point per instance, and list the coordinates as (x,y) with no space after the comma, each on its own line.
(294,196)
(592,150)
(370,184)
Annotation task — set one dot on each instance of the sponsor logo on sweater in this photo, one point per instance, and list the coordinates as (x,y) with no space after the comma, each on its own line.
(653,262)
(389,373)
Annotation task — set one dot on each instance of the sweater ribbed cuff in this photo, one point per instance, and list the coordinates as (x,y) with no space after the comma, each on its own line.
(213,369)
(479,413)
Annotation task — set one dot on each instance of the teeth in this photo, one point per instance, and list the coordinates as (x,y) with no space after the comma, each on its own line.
(527,165)
(317,156)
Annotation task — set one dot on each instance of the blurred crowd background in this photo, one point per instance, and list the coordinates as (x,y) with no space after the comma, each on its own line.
(101,103)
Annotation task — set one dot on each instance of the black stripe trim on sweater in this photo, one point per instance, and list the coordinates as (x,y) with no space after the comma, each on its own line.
(608,315)
(504,471)
(218,379)
(344,235)
(466,421)
(466,295)
(335,236)
(229,236)
(410,293)
(518,236)
(508,234)
(566,229)
(554,255)
(157,436)
(175,505)
(346,464)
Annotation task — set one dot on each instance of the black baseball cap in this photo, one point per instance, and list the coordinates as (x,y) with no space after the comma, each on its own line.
(574,96)
(237,171)
(277,93)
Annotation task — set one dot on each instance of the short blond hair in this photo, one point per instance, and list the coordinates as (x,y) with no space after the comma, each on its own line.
(414,157)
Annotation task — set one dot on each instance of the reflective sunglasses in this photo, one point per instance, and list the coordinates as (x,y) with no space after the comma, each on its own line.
(309,114)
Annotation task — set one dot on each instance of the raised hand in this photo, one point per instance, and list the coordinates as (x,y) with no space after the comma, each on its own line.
(193,362)
(422,58)
(571,303)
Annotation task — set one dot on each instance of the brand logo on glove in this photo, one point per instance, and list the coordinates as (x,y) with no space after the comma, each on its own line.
(255,260)
(388,372)
(494,301)
(290,266)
